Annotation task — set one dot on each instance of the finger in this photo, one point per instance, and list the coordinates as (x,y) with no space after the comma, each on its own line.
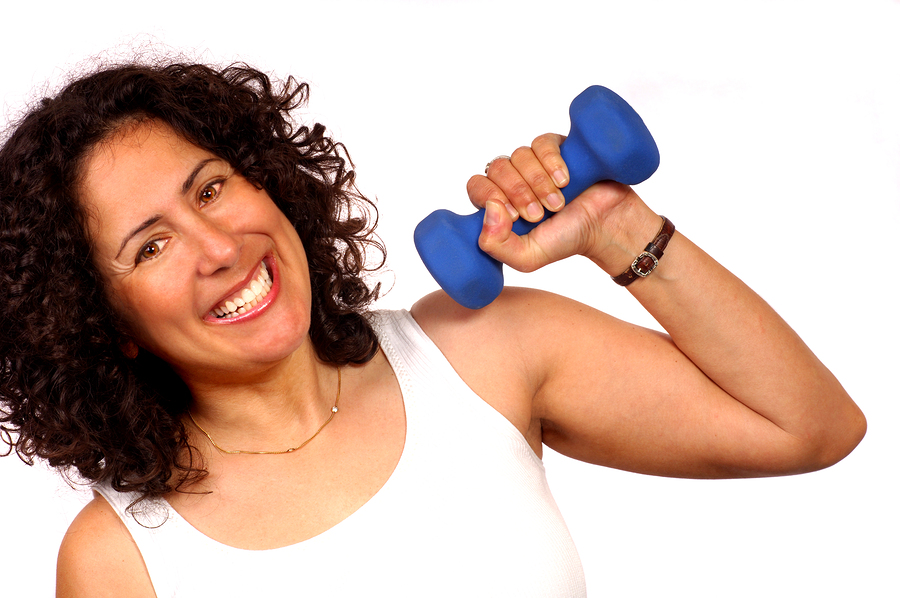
(488,167)
(546,148)
(539,181)
(504,173)
(498,240)
(482,190)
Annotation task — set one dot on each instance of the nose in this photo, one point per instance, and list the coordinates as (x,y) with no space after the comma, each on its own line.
(219,248)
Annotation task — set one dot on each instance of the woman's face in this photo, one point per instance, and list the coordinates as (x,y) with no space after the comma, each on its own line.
(182,240)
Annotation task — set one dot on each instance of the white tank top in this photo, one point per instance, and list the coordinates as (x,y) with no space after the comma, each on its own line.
(466,512)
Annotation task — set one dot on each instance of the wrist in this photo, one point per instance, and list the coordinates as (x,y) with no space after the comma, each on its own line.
(627,237)
(648,260)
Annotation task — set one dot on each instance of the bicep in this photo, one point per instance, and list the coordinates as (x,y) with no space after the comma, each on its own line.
(98,557)
(623,396)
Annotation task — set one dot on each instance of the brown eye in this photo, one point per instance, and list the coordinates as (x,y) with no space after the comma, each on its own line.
(149,251)
(209,193)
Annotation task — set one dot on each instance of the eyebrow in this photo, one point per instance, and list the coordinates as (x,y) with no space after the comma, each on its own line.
(189,181)
(144,225)
(185,187)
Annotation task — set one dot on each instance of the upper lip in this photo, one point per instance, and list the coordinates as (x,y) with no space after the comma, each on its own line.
(239,287)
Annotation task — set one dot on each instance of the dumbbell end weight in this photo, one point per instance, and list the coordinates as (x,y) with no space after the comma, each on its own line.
(444,241)
(607,141)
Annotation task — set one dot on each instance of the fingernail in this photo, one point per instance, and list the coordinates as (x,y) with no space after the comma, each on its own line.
(512,212)
(491,213)
(534,210)
(555,201)
(560,178)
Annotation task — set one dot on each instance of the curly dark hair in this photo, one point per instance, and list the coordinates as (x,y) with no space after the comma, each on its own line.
(67,393)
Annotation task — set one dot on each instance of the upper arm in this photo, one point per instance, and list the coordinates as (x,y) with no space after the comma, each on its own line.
(624,396)
(602,390)
(99,558)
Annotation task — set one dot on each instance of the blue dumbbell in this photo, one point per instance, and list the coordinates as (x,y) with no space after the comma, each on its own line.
(607,141)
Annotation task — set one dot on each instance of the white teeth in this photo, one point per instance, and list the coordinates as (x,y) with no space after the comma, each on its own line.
(247,298)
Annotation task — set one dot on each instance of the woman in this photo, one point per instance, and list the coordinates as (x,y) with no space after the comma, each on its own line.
(185,324)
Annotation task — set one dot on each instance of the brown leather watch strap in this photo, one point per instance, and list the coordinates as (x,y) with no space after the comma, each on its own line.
(646,263)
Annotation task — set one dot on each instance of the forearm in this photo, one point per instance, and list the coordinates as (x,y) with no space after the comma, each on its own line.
(736,338)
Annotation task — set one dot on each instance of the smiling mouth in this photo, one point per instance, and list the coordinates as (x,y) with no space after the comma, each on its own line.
(248,298)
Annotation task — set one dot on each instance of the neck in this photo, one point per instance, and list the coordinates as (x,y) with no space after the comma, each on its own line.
(269,409)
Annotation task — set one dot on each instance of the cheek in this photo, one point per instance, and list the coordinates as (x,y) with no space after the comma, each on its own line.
(289,234)
(147,307)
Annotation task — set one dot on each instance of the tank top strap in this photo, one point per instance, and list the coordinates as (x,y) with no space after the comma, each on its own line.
(145,522)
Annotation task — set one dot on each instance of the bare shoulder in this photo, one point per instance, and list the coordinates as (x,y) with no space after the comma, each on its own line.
(461,332)
(99,558)
(517,315)
(506,351)
(440,314)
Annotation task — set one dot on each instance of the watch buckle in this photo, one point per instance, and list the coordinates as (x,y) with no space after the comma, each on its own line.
(636,264)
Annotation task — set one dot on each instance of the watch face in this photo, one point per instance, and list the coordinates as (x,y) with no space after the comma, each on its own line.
(644,264)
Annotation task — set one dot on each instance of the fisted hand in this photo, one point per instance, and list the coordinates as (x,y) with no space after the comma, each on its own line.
(527,184)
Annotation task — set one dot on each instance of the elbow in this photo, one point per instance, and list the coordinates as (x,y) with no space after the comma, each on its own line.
(838,439)
(856,431)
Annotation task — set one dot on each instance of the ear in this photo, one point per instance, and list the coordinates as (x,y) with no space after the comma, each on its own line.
(128,348)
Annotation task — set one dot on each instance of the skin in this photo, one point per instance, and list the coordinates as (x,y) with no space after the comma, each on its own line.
(728,391)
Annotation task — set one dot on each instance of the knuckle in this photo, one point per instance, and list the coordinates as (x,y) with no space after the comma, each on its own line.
(475,183)
(497,163)
(546,146)
(549,155)
(539,180)
(492,193)
(520,192)
(521,152)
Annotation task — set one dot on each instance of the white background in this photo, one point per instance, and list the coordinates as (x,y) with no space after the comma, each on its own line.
(779,132)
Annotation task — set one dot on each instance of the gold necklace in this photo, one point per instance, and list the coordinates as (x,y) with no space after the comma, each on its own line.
(334,410)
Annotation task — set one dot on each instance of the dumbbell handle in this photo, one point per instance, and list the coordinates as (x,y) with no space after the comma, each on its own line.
(607,141)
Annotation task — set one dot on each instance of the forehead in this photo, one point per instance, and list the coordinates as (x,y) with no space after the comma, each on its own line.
(143,149)
(132,173)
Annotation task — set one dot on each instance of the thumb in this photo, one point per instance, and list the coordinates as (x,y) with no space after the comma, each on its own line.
(498,241)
